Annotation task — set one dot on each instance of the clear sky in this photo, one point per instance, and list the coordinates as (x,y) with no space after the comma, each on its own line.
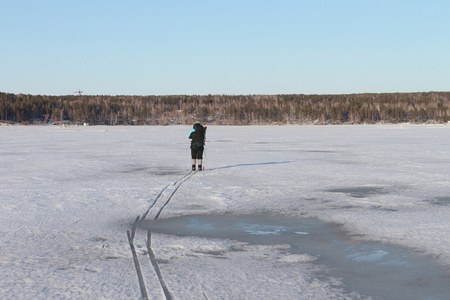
(172,47)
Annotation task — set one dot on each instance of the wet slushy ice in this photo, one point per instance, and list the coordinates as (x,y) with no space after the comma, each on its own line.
(374,269)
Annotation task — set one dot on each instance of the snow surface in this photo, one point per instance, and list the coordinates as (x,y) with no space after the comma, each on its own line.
(69,195)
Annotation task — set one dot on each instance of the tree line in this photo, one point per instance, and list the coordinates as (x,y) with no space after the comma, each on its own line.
(227,109)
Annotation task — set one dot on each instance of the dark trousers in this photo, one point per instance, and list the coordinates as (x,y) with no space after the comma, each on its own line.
(197,152)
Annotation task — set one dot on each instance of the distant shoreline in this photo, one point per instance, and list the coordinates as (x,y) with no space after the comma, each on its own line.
(299,109)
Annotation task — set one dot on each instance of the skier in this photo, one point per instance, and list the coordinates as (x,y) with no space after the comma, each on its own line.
(197,136)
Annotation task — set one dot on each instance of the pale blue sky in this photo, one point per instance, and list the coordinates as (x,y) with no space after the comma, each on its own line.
(224,47)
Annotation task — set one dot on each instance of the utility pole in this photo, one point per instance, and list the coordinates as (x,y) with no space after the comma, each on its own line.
(78,92)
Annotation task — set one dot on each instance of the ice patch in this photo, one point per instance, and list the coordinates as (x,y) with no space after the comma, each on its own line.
(258,229)
(440,201)
(369,256)
(359,192)
(362,265)
(297,258)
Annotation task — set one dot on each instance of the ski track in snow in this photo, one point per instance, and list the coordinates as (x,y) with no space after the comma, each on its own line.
(158,204)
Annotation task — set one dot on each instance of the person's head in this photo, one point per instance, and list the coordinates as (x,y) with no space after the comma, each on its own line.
(196,124)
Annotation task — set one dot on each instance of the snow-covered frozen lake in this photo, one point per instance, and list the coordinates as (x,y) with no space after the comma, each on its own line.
(280,212)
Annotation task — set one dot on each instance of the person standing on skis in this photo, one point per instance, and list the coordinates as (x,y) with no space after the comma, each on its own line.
(197,136)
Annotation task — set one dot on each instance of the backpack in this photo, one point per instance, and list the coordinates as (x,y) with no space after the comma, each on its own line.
(199,135)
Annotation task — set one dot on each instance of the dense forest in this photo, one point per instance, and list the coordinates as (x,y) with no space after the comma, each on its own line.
(431,107)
